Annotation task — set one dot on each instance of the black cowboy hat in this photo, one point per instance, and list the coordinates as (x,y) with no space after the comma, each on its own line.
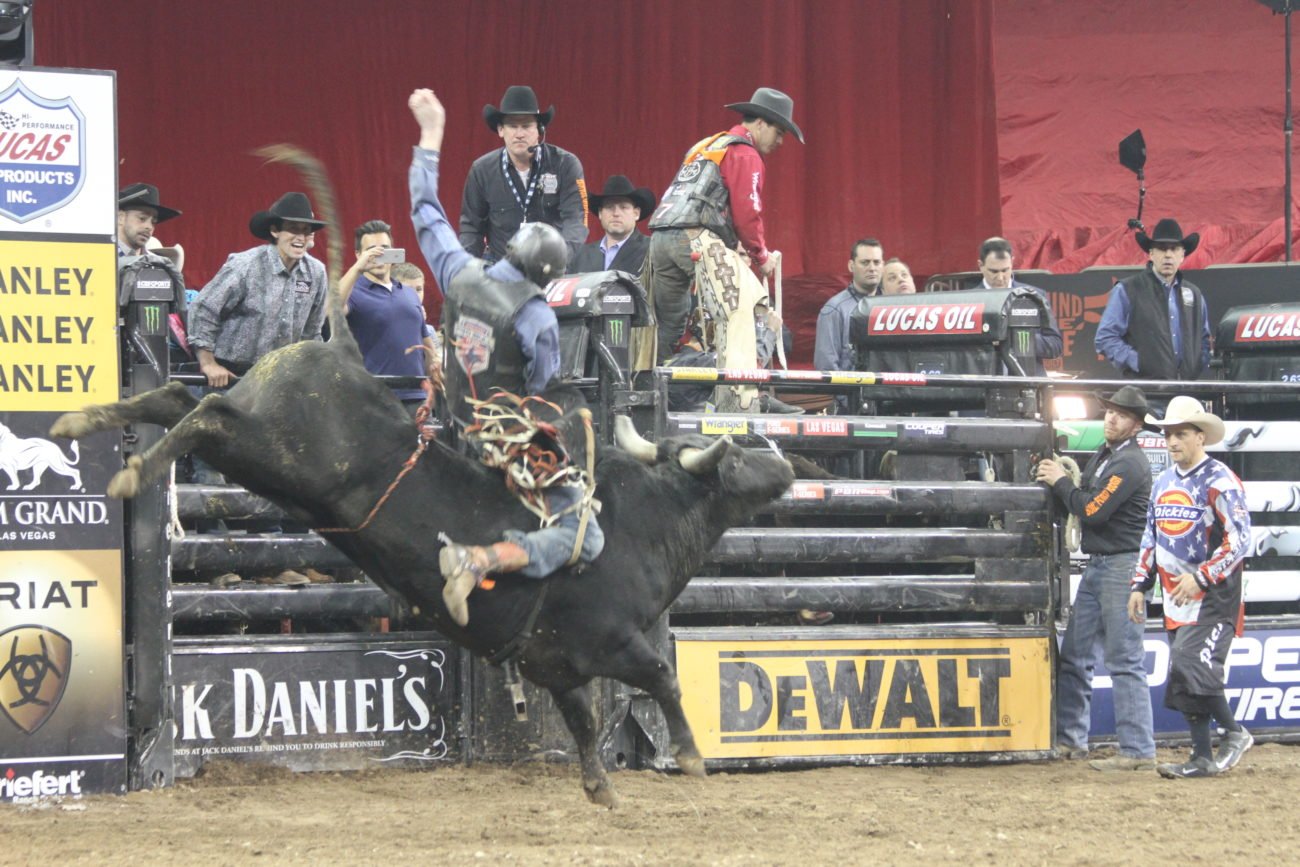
(1168,231)
(289,207)
(144,196)
(1129,399)
(518,99)
(772,106)
(619,187)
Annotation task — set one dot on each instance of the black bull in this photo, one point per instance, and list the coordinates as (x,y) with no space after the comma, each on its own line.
(309,429)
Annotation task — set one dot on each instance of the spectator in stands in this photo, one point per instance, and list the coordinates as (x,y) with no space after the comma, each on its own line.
(263,298)
(385,316)
(995,264)
(1110,503)
(896,278)
(1196,540)
(1157,325)
(410,275)
(620,206)
(832,349)
(526,181)
(714,205)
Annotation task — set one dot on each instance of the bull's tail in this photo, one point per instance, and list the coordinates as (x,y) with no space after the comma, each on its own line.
(322,191)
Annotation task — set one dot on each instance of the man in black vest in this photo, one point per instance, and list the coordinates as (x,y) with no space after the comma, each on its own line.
(620,206)
(1157,324)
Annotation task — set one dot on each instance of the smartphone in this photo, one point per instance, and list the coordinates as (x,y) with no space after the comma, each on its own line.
(391,256)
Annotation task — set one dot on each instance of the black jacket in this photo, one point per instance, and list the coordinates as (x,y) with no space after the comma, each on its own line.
(1149,332)
(629,257)
(490,214)
(1111,504)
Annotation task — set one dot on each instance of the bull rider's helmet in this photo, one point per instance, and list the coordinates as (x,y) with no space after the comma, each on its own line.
(539,251)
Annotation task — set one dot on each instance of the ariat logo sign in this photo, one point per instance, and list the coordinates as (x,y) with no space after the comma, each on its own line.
(844,697)
(34,665)
(38,784)
(1174,513)
(42,149)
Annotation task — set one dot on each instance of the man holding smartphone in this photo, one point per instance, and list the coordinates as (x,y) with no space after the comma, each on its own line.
(386,316)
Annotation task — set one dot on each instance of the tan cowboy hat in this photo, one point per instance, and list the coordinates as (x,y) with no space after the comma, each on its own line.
(176,253)
(1188,410)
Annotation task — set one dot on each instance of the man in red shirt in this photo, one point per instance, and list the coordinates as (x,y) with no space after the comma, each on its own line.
(714,210)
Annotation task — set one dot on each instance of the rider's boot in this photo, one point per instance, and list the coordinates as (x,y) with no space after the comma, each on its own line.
(466,566)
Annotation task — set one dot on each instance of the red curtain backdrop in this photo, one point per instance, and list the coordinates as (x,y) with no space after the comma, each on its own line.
(896,100)
(1203,79)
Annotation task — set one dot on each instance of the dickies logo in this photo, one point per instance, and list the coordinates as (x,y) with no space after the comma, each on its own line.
(1175,515)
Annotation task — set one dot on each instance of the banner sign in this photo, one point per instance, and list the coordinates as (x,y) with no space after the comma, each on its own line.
(331,704)
(1262,683)
(871,696)
(62,686)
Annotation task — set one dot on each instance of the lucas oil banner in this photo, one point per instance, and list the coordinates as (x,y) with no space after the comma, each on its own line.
(870,696)
(62,708)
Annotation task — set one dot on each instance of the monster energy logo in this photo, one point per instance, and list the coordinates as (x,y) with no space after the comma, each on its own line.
(1022,342)
(616,335)
(151,318)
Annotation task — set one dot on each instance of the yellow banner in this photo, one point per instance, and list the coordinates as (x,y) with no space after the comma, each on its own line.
(722,426)
(58,325)
(853,378)
(61,668)
(762,699)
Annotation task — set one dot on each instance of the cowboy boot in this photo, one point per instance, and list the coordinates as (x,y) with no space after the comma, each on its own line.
(466,566)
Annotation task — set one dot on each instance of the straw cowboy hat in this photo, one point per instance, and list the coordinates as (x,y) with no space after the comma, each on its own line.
(1188,410)
(144,196)
(518,99)
(1168,231)
(618,186)
(290,207)
(1129,399)
(772,106)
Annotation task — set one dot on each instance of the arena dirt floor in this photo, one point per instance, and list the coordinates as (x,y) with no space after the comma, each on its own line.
(1050,813)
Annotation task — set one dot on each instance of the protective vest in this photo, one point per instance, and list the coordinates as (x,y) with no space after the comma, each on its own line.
(478,319)
(1149,332)
(698,197)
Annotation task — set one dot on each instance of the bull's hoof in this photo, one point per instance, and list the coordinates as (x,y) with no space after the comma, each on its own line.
(692,765)
(601,793)
(72,425)
(126,484)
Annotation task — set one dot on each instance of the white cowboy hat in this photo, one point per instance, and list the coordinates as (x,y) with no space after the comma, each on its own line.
(1188,410)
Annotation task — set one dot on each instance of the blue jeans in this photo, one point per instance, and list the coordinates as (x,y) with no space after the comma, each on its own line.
(550,548)
(1100,621)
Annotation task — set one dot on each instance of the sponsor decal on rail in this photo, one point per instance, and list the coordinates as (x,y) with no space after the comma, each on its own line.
(926,319)
(749,699)
(1258,327)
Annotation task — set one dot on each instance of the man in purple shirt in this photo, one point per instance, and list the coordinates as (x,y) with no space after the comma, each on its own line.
(385,316)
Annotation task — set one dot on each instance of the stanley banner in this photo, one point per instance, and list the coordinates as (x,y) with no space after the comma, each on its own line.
(62,691)
(871,696)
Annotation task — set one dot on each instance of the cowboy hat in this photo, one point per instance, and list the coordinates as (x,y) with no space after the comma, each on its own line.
(1131,400)
(518,99)
(619,187)
(1188,410)
(144,196)
(290,207)
(175,253)
(772,106)
(1168,231)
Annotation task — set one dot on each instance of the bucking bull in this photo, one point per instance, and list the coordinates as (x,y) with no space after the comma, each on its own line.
(311,430)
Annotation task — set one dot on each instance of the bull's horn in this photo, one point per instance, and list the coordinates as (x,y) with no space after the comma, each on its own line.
(632,442)
(701,461)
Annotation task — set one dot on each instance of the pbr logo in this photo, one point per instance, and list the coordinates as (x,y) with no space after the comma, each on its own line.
(474,344)
(34,666)
(1174,513)
(42,153)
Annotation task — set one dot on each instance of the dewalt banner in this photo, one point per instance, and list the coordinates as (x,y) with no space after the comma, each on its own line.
(782,698)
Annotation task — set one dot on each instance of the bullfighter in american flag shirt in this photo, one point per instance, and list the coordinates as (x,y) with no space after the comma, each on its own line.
(1196,538)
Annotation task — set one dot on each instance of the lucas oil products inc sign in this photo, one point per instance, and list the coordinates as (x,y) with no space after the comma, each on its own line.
(62,707)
